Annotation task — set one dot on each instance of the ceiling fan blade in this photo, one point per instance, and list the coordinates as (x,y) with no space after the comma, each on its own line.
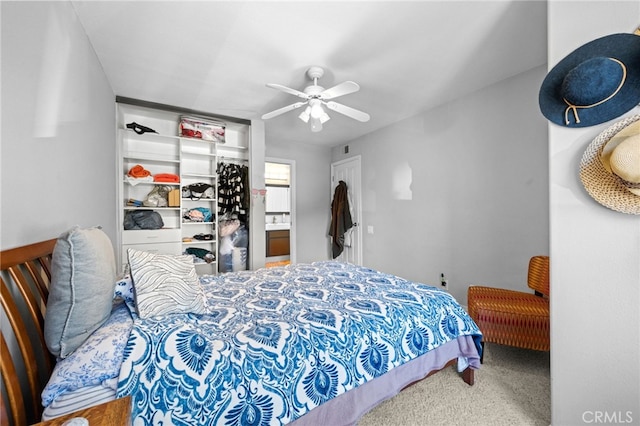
(340,90)
(289,90)
(282,110)
(348,111)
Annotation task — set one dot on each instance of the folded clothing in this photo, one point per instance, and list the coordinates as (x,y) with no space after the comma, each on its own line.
(203,237)
(201,253)
(81,398)
(98,359)
(138,171)
(133,181)
(166,177)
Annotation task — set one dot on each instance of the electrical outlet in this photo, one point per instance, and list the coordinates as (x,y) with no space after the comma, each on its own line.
(444,282)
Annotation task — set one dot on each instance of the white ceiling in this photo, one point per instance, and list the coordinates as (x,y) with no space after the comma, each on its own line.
(217,56)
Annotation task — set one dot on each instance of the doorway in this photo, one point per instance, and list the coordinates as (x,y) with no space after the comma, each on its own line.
(349,171)
(280,212)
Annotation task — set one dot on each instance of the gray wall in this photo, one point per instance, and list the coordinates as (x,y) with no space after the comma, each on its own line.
(461,189)
(595,268)
(58,133)
(313,196)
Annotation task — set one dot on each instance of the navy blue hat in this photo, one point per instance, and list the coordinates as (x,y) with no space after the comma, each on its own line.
(595,83)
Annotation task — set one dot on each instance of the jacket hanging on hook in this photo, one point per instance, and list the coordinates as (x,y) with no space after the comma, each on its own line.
(340,218)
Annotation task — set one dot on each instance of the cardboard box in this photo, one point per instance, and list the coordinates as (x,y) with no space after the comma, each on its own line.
(174,198)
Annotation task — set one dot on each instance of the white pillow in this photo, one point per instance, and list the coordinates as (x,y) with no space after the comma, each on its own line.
(83,277)
(124,291)
(165,284)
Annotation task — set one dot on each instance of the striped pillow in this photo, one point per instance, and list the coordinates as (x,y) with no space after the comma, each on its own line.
(165,284)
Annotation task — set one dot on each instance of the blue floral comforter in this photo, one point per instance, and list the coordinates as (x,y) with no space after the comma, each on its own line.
(278,342)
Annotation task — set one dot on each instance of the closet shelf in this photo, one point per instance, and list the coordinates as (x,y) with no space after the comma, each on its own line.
(199,175)
(149,157)
(150,208)
(199,243)
(151,183)
(199,154)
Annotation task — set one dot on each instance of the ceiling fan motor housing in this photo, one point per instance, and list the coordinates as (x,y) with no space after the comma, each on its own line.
(315,72)
(314,91)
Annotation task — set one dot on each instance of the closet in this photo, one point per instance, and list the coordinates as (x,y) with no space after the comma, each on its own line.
(183,185)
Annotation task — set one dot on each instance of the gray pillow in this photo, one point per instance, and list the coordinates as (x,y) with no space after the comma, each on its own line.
(83,279)
(165,284)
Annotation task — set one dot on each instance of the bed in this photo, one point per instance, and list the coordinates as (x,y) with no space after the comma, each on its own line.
(306,344)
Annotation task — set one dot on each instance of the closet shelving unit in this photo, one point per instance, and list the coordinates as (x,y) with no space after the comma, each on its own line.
(192,160)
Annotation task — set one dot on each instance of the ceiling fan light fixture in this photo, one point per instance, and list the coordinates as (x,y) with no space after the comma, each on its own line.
(304,115)
(316,124)
(324,117)
(316,108)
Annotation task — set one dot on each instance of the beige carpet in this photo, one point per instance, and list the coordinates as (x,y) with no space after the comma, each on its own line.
(512,388)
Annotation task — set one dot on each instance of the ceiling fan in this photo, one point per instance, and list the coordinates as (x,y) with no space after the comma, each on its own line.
(314,97)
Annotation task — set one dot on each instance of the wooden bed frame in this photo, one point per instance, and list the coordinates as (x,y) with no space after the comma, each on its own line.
(26,361)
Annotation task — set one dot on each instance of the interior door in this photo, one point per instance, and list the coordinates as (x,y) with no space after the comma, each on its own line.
(349,171)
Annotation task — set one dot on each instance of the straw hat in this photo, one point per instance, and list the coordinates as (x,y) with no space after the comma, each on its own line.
(595,83)
(610,167)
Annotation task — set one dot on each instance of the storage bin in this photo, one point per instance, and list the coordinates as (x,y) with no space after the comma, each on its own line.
(199,128)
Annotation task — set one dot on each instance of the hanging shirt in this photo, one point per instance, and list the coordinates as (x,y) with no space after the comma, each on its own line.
(341,220)
(232,190)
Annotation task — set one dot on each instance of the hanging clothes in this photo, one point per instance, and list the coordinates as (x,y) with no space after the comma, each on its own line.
(232,190)
(340,218)
(348,235)
(233,209)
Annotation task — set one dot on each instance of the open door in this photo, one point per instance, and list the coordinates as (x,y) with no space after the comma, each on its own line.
(280,213)
(349,171)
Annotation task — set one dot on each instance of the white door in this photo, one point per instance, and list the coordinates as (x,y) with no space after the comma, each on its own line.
(349,171)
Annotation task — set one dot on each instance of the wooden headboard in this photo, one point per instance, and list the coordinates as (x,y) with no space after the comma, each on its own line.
(26,362)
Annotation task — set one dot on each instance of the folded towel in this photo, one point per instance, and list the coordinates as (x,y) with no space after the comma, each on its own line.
(166,177)
(138,171)
(133,181)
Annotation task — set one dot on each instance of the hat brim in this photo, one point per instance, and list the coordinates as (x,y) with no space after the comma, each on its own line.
(600,183)
(624,47)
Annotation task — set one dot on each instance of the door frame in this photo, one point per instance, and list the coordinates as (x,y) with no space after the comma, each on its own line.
(292,200)
(357,189)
